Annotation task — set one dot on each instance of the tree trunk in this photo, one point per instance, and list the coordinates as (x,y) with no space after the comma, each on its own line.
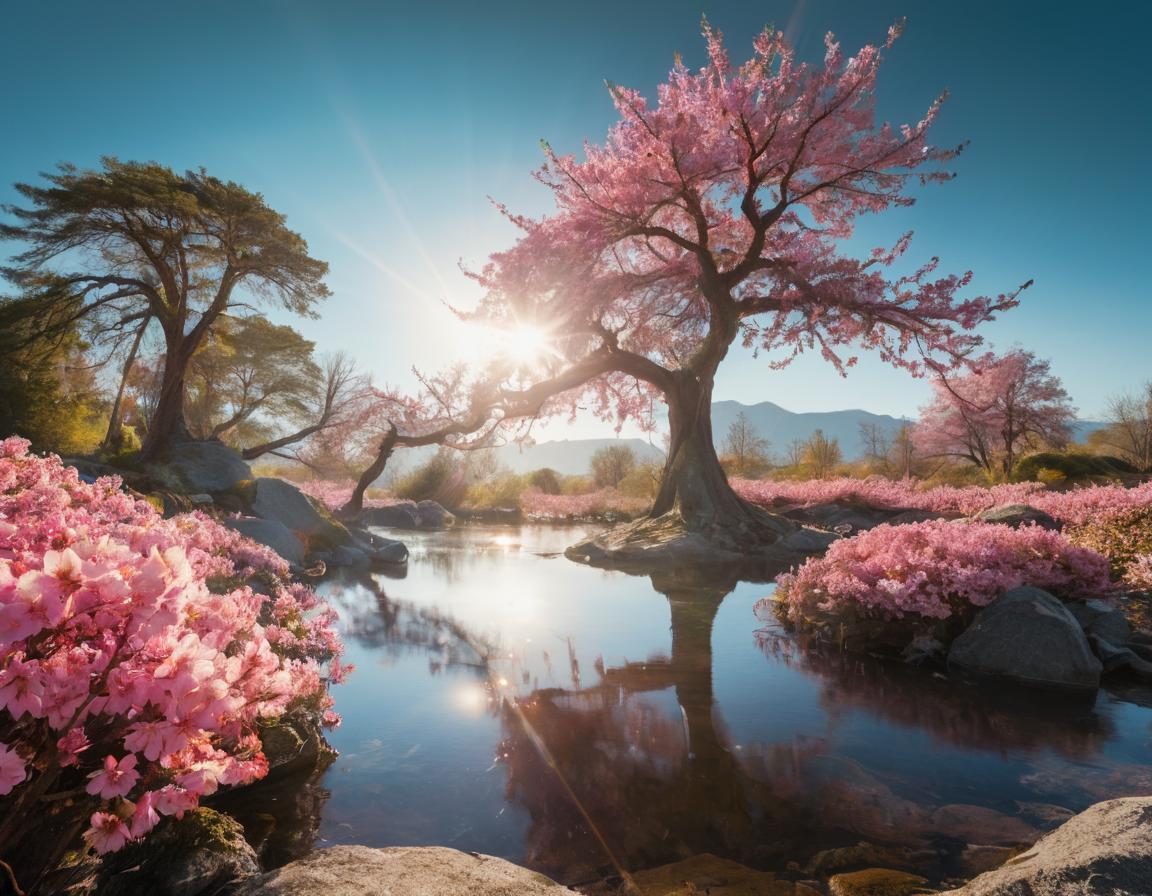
(114,438)
(694,485)
(355,503)
(168,424)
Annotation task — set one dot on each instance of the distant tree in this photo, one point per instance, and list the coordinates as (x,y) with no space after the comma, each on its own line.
(545,480)
(903,450)
(1129,429)
(611,464)
(108,246)
(795,452)
(744,449)
(821,454)
(1011,403)
(875,442)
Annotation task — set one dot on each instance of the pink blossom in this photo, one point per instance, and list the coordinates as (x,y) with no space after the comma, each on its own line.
(107,833)
(144,815)
(117,778)
(12,769)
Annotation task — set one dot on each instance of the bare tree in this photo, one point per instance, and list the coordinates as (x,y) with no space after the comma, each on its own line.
(745,450)
(876,442)
(822,454)
(1129,429)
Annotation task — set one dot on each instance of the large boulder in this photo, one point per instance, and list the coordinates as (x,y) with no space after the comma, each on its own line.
(1106,850)
(200,854)
(281,501)
(197,467)
(270,533)
(395,516)
(433,516)
(402,871)
(1017,515)
(1029,637)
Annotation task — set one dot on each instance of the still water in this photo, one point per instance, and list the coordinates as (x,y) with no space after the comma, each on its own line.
(509,701)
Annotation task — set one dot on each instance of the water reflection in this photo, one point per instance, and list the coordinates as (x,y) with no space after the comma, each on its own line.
(582,722)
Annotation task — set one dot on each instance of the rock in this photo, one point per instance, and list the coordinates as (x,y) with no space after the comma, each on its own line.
(270,533)
(977,824)
(349,557)
(1116,658)
(706,873)
(1103,619)
(1017,515)
(876,882)
(432,516)
(292,745)
(808,541)
(201,499)
(1027,636)
(388,551)
(1106,850)
(922,649)
(196,467)
(856,858)
(401,871)
(281,501)
(200,854)
(395,516)
(1045,816)
(978,858)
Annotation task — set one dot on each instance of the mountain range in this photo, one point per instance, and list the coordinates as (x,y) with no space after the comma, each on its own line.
(779,426)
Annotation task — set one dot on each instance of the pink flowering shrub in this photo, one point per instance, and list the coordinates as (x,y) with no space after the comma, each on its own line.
(1074,507)
(605,502)
(335,495)
(139,656)
(934,570)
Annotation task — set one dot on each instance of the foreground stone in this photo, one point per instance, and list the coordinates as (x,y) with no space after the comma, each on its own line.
(423,515)
(1027,636)
(1106,850)
(270,533)
(401,871)
(203,852)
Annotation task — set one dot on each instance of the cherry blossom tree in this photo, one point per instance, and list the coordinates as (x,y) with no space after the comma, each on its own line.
(711,217)
(1007,405)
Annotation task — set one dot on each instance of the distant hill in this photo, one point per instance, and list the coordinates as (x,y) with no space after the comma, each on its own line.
(781,427)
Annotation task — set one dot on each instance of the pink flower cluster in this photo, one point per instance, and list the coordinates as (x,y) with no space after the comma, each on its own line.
(1139,574)
(1075,506)
(605,502)
(144,653)
(335,495)
(934,570)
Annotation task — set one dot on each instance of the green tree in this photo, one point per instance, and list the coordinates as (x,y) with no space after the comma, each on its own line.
(821,454)
(611,464)
(108,246)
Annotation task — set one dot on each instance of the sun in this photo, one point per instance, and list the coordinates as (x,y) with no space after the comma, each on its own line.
(525,345)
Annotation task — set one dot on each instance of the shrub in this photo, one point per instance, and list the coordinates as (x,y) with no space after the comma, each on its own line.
(441,479)
(934,570)
(500,490)
(597,505)
(1070,465)
(545,480)
(138,655)
(1125,538)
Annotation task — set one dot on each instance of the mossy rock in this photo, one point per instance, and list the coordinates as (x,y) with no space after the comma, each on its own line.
(706,873)
(877,882)
(201,853)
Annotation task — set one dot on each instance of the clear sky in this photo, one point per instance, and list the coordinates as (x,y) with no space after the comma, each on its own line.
(381,129)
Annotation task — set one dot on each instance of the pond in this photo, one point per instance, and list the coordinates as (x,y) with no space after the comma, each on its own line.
(509,701)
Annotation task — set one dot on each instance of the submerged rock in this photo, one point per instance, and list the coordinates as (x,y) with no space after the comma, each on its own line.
(1106,850)
(706,873)
(856,858)
(200,854)
(876,882)
(1029,637)
(401,871)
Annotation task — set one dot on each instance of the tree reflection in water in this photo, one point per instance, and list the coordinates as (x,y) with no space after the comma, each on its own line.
(613,767)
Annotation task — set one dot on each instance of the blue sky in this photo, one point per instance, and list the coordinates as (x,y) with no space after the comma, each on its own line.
(380,130)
